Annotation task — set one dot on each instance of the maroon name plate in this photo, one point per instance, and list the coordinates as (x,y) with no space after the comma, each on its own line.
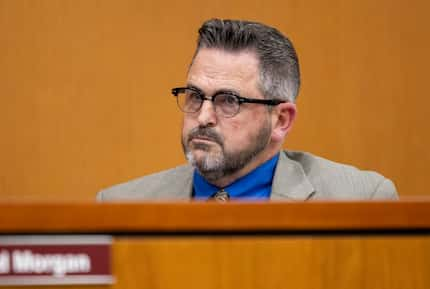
(47,260)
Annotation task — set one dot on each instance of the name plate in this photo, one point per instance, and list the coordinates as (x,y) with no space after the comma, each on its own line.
(49,260)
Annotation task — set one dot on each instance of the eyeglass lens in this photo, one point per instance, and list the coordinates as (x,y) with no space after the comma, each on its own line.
(191,101)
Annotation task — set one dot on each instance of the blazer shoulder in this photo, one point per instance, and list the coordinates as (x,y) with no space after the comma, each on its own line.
(174,183)
(333,180)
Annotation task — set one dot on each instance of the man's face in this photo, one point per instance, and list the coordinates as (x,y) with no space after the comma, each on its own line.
(219,146)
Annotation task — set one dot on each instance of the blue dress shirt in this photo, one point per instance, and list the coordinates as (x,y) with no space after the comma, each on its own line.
(255,185)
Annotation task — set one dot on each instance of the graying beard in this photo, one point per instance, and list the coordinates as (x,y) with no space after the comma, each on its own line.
(210,170)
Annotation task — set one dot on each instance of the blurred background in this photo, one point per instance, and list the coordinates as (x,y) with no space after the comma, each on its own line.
(85,85)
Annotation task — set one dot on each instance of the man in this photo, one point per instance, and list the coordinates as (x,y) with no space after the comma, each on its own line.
(238,107)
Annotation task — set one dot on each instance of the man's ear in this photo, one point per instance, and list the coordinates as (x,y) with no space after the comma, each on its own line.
(283,117)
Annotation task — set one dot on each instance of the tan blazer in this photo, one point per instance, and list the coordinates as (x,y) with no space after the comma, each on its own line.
(298,176)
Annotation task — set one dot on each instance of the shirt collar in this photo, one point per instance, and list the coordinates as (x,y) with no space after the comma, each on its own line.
(255,185)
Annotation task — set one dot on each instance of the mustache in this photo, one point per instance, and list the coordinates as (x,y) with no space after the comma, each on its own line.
(205,132)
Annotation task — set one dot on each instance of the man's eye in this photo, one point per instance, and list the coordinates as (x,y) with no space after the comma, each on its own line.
(193,96)
(227,99)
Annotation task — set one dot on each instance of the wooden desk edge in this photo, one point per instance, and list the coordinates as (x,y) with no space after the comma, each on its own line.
(197,216)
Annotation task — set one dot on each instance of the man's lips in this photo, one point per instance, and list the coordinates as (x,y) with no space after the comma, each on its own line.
(202,139)
(204,136)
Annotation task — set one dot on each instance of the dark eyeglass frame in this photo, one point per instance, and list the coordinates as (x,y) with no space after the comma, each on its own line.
(177,90)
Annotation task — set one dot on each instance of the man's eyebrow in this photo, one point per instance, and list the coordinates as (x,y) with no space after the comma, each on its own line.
(229,90)
(221,90)
(189,85)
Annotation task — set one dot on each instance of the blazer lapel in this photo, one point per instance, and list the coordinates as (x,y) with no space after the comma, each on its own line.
(181,184)
(290,181)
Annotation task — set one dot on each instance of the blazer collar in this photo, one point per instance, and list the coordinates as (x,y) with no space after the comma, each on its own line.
(290,181)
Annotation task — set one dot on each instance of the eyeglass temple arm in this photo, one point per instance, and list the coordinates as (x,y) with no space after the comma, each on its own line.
(175,91)
(262,101)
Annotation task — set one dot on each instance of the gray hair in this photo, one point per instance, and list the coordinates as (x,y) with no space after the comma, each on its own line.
(279,66)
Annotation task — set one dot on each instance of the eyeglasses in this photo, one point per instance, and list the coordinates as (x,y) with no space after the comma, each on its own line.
(226,104)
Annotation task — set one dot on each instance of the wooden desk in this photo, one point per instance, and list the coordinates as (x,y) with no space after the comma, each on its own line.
(248,245)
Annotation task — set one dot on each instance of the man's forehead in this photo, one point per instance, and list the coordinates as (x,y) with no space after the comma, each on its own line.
(221,56)
(220,69)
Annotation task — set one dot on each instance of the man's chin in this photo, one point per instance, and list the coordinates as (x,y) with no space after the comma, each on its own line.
(203,159)
(199,155)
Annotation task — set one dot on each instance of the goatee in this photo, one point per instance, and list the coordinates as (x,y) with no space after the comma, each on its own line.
(217,162)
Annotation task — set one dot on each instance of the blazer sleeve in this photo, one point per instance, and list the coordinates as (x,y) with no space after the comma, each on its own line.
(385,190)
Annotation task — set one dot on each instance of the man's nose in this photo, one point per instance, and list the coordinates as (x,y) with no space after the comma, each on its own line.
(207,115)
